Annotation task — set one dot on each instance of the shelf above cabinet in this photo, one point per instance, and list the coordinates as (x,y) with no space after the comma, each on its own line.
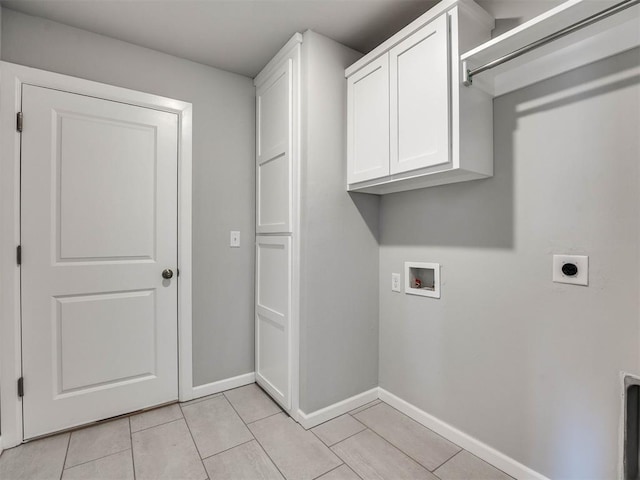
(609,36)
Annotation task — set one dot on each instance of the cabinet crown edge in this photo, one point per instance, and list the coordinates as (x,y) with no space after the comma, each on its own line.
(296,39)
(476,12)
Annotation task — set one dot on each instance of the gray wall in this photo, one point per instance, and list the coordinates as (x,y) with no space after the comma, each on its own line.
(339,252)
(223,169)
(528,366)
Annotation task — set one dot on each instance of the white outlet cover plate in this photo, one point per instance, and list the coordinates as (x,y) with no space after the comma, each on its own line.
(581,261)
(395,282)
(234,239)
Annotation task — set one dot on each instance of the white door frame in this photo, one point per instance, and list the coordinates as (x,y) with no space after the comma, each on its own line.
(12,77)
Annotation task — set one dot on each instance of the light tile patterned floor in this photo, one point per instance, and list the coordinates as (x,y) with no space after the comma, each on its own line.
(242,434)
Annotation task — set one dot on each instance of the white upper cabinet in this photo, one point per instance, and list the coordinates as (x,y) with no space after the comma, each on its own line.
(419,80)
(368,113)
(274,143)
(410,123)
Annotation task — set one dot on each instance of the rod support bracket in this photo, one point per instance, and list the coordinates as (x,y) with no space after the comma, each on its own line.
(467,80)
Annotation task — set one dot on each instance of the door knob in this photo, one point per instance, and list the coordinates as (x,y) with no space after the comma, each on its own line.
(167,273)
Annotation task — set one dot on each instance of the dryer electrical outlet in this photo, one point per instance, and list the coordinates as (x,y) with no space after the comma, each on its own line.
(573,269)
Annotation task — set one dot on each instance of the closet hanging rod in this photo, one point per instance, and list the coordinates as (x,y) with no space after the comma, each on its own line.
(617,8)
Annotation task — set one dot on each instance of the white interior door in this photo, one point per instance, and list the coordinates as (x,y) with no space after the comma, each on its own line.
(420,83)
(273,317)
(98,227)
(274,124)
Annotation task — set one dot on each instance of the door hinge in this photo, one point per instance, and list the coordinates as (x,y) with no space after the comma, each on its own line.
(19,122)
(21,387)
(19,255)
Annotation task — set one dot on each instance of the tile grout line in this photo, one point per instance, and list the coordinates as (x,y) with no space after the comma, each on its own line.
(288,417)
(446,439)
(227,449)
(362,409)
(194,442)
(484,461)
(450,458)
(154,426)
(133,460)
(236,412)
(345,438)
(260,419)
(66,452)
(269,457)
(401,451)
(193,401)
(419,424)
(329,447)
(326,473)
(95,459)
(427,428)
(256,438)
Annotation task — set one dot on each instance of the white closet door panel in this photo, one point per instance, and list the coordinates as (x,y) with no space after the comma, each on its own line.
(274,195)
(274,143)
(420,111)
(368,117)
(273,317)
(98,226)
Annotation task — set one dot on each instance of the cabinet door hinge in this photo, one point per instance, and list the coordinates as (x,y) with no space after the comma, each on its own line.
(19,122)
(21,387)
(19,255)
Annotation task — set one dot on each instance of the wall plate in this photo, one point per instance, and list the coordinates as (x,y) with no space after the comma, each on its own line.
(395,282)
(581,277)
(422,279)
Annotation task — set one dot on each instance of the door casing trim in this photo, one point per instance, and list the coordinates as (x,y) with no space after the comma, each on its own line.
(12,77)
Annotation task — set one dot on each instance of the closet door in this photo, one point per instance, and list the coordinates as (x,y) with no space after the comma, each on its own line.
(368,122)
(273,317)
(420,83)
(274,114)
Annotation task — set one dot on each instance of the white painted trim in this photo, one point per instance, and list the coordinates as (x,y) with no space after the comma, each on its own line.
(274,63)
(1,445)
(469,443)
(222,385)
(310,420)
(296,148)
(185,194)
(12,77)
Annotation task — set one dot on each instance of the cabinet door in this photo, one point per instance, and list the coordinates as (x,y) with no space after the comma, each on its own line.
(273,317)
(368,122)
(420,111)
(274,117)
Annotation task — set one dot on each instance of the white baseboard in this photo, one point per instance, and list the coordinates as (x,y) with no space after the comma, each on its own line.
(222,385)
(310,420)
(473,445)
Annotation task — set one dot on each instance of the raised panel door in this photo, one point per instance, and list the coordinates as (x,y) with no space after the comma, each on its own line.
(368,122)
(274,114)
(420,109)
(273,317)
(98,227)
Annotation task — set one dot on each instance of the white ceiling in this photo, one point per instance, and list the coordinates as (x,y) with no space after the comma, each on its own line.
(242,35)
